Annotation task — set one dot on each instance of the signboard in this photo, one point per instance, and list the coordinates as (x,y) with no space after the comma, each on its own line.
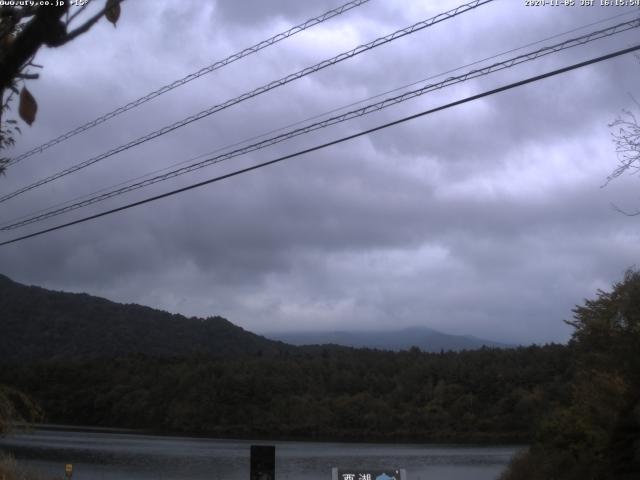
(365,474)
(263,462)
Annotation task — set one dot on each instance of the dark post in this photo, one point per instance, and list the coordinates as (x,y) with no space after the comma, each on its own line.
(263,462)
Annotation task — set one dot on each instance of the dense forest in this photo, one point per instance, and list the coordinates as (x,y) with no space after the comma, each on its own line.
(577,405)
(488,394)
(86,360)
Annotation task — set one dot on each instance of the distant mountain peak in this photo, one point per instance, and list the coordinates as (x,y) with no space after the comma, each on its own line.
(425,338)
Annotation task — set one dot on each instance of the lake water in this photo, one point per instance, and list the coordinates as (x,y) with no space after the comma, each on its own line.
(120,456)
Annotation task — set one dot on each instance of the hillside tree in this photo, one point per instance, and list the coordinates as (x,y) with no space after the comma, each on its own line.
(596,436)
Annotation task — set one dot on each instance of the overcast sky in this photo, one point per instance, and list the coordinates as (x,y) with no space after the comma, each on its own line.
(486,219)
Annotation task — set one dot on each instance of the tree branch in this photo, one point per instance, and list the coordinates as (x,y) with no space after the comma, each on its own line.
(78,12)
(44,28)
(83,28)
(91,22)
(28,76)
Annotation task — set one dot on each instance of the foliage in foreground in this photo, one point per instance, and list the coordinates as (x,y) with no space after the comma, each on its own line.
(9,470)
(597,435)
(15,406)
(24,28)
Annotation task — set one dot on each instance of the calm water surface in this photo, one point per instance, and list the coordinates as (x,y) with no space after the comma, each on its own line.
(118,456)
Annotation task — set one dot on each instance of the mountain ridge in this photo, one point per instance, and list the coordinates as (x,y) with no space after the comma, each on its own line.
(41,324)
(425,338)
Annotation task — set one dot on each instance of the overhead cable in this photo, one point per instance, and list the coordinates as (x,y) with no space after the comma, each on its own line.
(496,67)
(265,88)
(308,119)
(203,71)
(331,143)
(313,117)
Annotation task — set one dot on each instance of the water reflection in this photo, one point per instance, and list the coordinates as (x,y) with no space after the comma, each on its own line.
(117,456)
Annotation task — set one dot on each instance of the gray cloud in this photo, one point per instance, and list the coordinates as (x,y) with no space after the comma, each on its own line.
(486,219)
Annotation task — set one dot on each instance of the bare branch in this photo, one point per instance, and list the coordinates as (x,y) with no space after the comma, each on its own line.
(626,138)
(90,22)
(28,76)
(78,12)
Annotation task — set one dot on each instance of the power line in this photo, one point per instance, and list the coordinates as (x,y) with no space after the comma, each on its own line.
(526,57)
(337,119)
(320,115)
(333,142)
(203,71)
(265,88)
(313,117)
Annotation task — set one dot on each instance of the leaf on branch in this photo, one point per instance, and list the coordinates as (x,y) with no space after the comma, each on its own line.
(112,11)
(28,106)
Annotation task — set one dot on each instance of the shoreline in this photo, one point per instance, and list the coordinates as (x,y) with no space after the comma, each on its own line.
(471,442)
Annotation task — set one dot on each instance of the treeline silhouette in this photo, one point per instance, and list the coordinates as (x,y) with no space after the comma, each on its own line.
(312,393)
(40,324)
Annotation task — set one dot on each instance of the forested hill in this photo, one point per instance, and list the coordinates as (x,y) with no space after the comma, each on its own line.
(39,324)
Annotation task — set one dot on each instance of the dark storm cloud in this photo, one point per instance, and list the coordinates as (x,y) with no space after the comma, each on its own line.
(486,219)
